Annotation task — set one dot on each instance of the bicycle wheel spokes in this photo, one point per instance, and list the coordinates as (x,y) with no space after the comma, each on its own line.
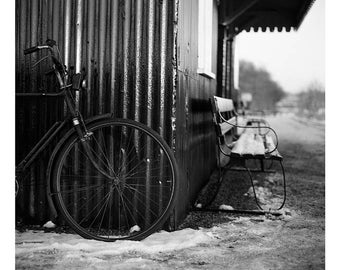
(131,198)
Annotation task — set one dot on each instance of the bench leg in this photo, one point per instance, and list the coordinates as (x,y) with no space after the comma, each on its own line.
(252,184)
(268,169)
(224,170)
(284,187)
(270,166)
(262,165)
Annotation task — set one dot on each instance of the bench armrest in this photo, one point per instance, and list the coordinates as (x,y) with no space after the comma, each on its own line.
(257,120)
(253,119)
(247,127)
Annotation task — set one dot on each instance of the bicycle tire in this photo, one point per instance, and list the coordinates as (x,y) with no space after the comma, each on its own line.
(134,200)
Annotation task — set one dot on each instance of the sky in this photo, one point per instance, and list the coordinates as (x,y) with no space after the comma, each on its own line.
(294,59)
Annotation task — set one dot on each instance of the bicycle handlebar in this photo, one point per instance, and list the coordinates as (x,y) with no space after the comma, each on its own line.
(49,46)
(77,80)
(31,50)
(36,48)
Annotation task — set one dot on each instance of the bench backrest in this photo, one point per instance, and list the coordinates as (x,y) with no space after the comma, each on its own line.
(223,106)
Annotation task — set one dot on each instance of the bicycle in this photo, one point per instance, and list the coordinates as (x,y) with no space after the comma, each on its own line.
(111,179)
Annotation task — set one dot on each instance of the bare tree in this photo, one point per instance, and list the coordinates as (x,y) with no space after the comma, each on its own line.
(312,101)
(258,81)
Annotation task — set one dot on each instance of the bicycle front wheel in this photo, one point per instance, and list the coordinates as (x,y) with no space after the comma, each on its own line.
(120,183)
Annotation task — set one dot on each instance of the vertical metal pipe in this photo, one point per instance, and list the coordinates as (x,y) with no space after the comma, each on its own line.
(150,89)
(43,114)
(21,22)
(67,34)
(101,53)
(138,66)
(162,107)
(34,35)
(114,39)
(56,19)
(91,9)
(67,31)
(101,71)
(174,76)
(150,61)
(78,50)
(79,36)
(138,57)
(137,89)
(33,112)
(22,45)
(127,18)
(164,35)
(78,59)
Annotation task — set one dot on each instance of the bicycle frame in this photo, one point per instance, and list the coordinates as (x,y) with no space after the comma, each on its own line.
(48,136)
(59,71)
(41,145)
(74,115)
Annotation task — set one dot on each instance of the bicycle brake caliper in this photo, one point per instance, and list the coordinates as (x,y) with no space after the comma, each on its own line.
(86,134)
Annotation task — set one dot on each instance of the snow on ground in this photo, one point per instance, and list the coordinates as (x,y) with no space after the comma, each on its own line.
(32,241)
(35,249)
(70,250)
(291,241)
(225,207)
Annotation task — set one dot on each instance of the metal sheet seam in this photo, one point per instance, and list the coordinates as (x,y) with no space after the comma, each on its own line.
(127,10)
(79,27)
(150,86)
(101,53)
(164,34)
(174,76)
(138,53)
(114,34)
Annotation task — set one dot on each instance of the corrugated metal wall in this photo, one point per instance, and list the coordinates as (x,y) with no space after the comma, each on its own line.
(195,140)
(126,50)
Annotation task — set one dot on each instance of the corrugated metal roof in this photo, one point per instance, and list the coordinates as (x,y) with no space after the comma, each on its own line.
(263,15)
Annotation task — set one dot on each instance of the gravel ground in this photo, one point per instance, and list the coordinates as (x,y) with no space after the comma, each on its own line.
(295,240)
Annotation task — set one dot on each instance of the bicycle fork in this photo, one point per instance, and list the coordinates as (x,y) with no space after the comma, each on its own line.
(85,136)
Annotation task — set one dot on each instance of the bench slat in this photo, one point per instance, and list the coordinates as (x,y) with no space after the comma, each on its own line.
(224,104)
(225,127)
(249,144)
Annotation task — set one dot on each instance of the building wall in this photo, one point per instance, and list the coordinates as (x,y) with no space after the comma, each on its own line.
(126,50)
(140,60)
(195,138)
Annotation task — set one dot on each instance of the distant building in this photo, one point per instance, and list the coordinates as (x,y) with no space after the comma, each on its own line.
(246,99)
(288,105)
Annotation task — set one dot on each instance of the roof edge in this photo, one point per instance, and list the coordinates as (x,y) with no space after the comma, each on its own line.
(304,11)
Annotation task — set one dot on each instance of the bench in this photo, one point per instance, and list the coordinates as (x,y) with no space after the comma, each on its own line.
(242,142)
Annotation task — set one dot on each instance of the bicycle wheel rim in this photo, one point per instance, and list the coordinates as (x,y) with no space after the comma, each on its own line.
(138,197)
